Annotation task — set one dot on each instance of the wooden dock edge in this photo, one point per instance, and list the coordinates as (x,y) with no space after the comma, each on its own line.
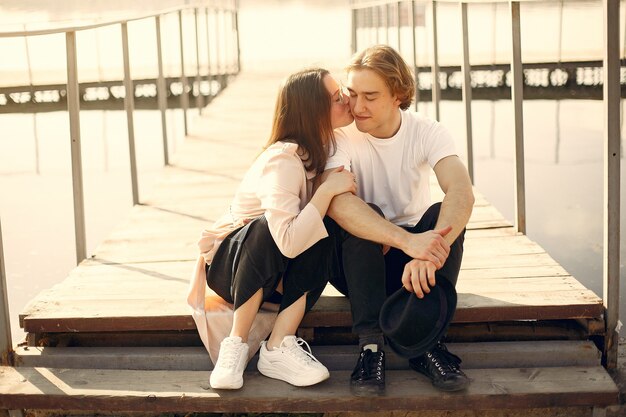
(188,391)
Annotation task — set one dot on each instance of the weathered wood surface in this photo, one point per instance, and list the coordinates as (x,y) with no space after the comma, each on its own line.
(124,390)
(475,355)
(137,279)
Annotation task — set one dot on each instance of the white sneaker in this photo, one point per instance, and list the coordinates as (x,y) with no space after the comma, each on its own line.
(231,362)
(291,363)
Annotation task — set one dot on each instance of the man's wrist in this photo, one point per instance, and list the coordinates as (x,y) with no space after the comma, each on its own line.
(400,239)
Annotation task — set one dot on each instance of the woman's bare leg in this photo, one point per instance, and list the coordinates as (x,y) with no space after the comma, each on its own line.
(287,322)
(245,314)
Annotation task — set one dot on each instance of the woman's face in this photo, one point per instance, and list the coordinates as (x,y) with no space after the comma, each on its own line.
(340,114)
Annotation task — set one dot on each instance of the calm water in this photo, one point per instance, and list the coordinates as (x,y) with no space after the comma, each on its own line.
(563,143)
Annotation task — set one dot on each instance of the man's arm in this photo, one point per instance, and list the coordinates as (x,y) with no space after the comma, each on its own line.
(456,208)
(359,219)
(458,202)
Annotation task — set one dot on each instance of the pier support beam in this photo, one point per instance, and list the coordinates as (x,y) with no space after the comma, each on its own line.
(467,93)
(208,53)
(611,178)
(436,92)
(162,91)
(73,108)
(415,68)
(399,22)
(184,98)
(6,344)
(517,96)
(129,107)
(237,45)
(199,98)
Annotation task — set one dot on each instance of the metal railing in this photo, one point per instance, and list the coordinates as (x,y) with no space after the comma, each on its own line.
(221,10)
(367,14)
(73,103)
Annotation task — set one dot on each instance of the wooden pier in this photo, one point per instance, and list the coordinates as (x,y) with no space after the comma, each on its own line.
(117,333)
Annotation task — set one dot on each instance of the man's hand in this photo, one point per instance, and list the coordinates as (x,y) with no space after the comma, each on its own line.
(429,246)
(419,276)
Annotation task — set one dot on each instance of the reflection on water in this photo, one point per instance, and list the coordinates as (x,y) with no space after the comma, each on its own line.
(564,176)
(37,208)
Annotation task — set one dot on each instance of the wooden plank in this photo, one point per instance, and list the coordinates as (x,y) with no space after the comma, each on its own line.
(457,333)
(550,272)
(510,261)
(162,246)
(124,390)
(474,355)
(490,232)
(336,311)
(90,311)
(175,290)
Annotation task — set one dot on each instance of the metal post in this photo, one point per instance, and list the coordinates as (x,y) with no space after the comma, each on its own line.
(237,36)
(467,92)
(6,344)
(557,121)
(435,64)
(184,99)
(415,69)
(377,22)
(129,106)
(218,58)
(208,54)
(611,245)
(105,143)
(73,108)
(387,23)
(398,17)
(368,19)
(199,98)
(355,26)
(231,64)
(517,97)
(32,92)
(162,90)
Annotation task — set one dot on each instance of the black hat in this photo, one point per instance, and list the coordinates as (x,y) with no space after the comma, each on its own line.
(414,325)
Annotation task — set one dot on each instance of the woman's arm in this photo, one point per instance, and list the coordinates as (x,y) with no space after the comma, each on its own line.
(281,183)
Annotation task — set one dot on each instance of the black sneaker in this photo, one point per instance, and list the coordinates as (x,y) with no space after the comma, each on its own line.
(368,377)
(442,368)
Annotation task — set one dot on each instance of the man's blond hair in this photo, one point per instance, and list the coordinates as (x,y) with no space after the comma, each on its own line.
(387,62)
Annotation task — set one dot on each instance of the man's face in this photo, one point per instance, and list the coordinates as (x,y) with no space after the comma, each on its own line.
(374,107)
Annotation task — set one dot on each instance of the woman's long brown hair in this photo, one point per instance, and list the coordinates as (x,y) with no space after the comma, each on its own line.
(302,116)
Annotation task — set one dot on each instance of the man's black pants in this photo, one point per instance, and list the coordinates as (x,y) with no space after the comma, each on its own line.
(367,276)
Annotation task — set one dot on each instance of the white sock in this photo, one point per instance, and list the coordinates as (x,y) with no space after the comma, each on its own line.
(373,347)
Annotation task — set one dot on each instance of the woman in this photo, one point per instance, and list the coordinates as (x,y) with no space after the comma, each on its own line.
(273,244)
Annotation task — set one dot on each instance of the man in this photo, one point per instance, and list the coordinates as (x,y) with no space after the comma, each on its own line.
(391,151)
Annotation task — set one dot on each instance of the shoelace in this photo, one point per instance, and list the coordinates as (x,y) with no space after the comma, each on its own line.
(298,350)
(371,361)
(229,354)
(444,360)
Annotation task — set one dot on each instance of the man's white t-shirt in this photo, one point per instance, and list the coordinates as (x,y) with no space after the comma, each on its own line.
(394,173)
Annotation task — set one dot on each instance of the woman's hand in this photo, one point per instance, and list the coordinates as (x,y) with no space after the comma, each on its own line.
(339,181)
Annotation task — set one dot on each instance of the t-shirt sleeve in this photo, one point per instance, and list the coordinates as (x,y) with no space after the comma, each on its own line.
(340,156)
(437,144)
(294,231)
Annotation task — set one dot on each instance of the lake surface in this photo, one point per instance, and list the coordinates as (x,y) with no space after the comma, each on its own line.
(563,140)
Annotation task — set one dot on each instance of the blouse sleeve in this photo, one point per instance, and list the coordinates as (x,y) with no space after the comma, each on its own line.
(339,156)
(294,231)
